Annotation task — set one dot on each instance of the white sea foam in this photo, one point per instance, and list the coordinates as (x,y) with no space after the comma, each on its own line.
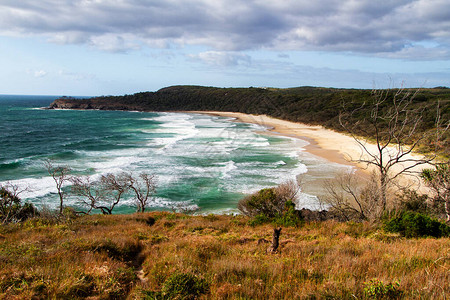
(180,126)
(227,168)
(308,201)
(33,187)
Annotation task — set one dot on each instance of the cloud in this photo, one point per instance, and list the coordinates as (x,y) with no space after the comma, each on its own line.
(385,28)
(218,58)
(37,73)
(114,43)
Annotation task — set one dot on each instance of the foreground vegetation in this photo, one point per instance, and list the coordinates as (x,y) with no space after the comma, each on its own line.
(168,255)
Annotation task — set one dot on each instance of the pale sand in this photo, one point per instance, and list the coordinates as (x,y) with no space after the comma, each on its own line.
(325,143)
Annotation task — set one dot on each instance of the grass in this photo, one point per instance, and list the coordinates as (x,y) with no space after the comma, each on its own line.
(138,256)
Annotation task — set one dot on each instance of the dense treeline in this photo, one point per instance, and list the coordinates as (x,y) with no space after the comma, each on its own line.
(311,105)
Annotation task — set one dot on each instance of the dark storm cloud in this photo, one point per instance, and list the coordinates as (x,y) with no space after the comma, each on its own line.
(397,28)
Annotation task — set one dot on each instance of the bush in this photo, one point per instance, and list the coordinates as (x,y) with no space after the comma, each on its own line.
(289,218)
(11,209)
(259,220)
(269,202)
(272,205)
(376,289)
(411,225)
(184,286)
(262,202)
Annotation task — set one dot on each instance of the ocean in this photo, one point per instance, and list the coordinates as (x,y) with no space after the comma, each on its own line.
(200,162)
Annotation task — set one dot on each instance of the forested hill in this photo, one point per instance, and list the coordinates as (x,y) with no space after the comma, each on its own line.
(311,105)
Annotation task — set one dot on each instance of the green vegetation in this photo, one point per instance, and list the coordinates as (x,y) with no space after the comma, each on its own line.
(11,207)
(310,105)
(184,286)
(274,205)
(167,256)
(412,225)
(376,289)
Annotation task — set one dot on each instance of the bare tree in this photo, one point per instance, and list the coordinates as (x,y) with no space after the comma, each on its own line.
(393,124)
(116,186)
(91,193)
(106,193)
(143,187)
(350,197)
(60,175)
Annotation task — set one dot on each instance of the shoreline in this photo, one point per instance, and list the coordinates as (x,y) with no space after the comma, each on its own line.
(324,143)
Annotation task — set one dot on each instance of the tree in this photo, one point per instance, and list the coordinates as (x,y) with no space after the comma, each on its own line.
(393,124)
(116,186)
(350,197)
(143,187)
(104,194)
(438,180)
(91,193)
(60,175)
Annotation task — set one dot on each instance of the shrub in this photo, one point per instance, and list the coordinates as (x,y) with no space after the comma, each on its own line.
(184,286)
(376,289)
(11,209)
(269,202)
(289,218)
(262,202)
(272,205)
(259,220)
(411,224)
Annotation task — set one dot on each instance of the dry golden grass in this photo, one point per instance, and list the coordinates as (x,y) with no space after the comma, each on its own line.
(99,257)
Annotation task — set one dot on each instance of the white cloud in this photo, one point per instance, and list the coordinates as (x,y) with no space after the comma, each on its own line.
(37,73)
(386,28)
(113,43)
(219,58)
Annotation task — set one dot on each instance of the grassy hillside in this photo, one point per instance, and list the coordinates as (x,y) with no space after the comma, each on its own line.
(215,257)
(317,106)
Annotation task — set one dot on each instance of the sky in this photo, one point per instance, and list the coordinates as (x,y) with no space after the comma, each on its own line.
(115,47)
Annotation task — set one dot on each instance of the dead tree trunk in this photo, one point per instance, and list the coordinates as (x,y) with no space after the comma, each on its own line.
(275,241)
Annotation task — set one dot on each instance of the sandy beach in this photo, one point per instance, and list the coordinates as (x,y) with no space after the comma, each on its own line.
(325,143)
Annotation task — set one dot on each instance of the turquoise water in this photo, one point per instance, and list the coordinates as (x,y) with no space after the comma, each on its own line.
(203,162)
